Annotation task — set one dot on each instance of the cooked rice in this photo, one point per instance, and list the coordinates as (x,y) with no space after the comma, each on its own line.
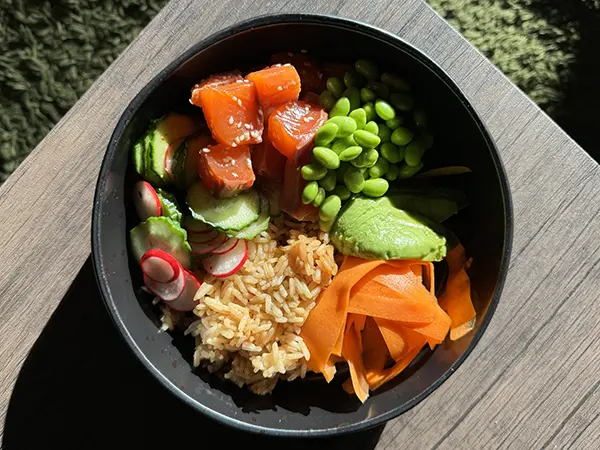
(248,325)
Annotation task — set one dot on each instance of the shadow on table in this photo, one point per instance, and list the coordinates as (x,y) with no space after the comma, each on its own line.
(80,387)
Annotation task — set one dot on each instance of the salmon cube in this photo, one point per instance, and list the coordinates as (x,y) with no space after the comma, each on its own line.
(291,194)
(276,85)
(311,97)
(226,171)
(232,113)
(292,128)
(214,80)
(267,161)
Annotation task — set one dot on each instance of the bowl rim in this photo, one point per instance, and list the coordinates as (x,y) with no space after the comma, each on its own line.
(146,91)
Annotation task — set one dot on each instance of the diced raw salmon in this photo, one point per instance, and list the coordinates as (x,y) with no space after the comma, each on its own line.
(276,85)
(226,171)
(291,194)
(307,67)
(232,113)
(214,80)
(292,128)
(267,161)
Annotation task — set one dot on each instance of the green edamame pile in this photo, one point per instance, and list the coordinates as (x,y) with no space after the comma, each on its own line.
(376,133)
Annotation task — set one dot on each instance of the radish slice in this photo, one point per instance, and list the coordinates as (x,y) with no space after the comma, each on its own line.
(145,200)
(200,238)
(203,248)
(166,291)
(160,266)
(195,226)
(227,264)
(185,301)
(225,246)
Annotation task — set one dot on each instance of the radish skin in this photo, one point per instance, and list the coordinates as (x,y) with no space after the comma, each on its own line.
(227,264)
(185,301)
(160,266)
(146,201)
(167,291)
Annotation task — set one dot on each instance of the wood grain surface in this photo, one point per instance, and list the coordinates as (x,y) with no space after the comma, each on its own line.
(532,381)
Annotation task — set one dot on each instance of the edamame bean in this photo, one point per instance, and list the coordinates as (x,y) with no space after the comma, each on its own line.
(330,208)
(327,100)
(354,180)
(384,133)
(326,157)
(346,125)
(310,192)
(325,225)
(379,169)
(406,171)
(402,101)
(402,136)
(313,172)
(326,134)
(375,187)
(342,192)
(319,198)
(335,86)
(420,117)
(390,152)
(384,109)
(394,81)
(392,172)
(372,127)
(352,79)
(414,152)
(360,117)
(367,95)
(395,122)
(380,89)
(351,153)
(340,108)
(367,69)
(341,144)
(366,159)
(369,108)
(328,181)
(366,139)
(352,94)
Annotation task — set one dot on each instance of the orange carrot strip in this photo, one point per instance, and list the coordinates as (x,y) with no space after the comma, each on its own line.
(329,371)
(456,300)
(325,322)
(375,352)
(377,380)
(392,334)
(378,301)
(359,321)
(352,352)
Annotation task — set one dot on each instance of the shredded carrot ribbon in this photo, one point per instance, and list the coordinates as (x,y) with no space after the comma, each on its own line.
(377,311)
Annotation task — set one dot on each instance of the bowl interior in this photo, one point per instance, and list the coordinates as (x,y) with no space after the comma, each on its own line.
(310,406)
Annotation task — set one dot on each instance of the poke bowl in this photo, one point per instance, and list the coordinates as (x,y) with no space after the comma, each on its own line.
(299,241)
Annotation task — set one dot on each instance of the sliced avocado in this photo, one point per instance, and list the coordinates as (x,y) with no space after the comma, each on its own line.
(164,234)
(437,204)
(169,205)
(375,228)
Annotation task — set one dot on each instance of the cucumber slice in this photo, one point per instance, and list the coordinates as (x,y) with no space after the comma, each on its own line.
(149,174)
(138,156)
(170,207)
(186,160)
(163,234)
(168,130)
(231,214)
(254,229)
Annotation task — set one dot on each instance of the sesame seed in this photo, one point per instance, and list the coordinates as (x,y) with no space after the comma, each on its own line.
(239,124)
(247,136)
(307,63)
(230,120)
(246,81)
(255,133)
(305,119)
(247,126)
(280,88)
(303,51)
(287,65)
(206,150)
(290,54)
(234,98)
(277,65)
(239,102)
(234,145)
(235,174)
(239,81)
(310,118)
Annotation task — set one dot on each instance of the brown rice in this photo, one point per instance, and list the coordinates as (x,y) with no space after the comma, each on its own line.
(248,325)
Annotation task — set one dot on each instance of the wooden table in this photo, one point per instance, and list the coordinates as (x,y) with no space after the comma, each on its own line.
(66,380)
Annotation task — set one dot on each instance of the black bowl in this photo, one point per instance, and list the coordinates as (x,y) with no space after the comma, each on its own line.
(308,407)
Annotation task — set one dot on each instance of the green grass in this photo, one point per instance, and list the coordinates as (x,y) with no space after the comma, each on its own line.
(53,51)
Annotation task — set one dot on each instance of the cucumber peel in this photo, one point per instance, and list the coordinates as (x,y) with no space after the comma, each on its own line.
(163,234)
